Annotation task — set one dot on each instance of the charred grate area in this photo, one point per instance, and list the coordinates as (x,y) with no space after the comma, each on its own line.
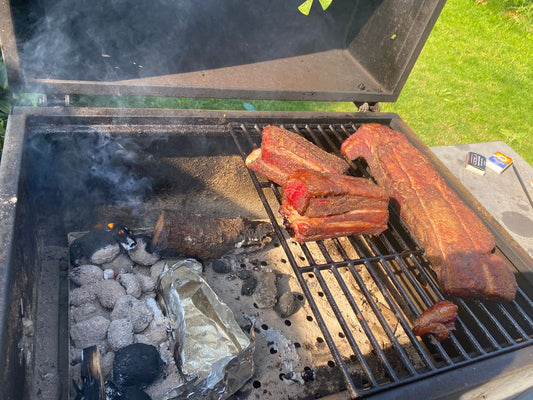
(375,287)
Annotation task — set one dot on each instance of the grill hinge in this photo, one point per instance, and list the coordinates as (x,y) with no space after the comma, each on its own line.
(54,100)
(365,107)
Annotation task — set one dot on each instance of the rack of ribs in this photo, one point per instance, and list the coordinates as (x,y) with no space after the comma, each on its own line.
(458,244)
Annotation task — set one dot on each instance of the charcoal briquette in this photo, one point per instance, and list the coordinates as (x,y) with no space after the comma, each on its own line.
(288,303)
(136,365)
(243,273)
(141,253)
(308,374)
(248,286)
(266,292)
(220,267)
(86,274)
(134,393)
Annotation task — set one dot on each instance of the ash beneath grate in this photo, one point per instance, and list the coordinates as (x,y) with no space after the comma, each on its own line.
(292,358)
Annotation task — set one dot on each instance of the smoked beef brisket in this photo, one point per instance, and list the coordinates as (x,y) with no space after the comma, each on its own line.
(283,152)
(322,205)
(456,241)
(317,194)
(356,222)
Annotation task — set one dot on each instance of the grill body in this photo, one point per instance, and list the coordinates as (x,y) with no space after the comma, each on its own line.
(362,293)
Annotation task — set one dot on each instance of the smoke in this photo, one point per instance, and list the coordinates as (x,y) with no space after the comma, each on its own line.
(85,171)
(116,164)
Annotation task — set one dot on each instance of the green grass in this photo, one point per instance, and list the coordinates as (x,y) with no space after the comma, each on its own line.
(473,81)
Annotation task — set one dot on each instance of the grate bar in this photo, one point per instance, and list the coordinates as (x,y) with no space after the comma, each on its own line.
(344,325)
(420,293)
(391,303)
(333,264)
(479,325)
(496,323)
(325,331)
(514,323)
(424,356)
(406,299)
(397,313)
(396,265)
(354,392)
(353,343)
(520,310)
(434,288)
(364,324)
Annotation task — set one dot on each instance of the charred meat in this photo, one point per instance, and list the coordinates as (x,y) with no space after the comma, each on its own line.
(356,222)
(439,319)
(319,194)
(322,205)
(319,201)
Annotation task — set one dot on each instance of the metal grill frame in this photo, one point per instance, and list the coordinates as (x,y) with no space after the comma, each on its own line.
(484,330)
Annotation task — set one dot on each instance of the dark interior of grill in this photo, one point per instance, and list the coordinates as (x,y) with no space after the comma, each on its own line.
(119,29)
(267,50)
(362,293)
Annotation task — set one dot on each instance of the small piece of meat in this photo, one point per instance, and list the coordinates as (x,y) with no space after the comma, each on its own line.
(319,194)
(356,222)
(439,319)
(283,152)
(455,240)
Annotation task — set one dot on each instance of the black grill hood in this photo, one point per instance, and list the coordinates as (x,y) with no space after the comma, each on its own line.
(352,51)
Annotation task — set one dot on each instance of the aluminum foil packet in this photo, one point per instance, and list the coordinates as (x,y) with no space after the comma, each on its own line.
(211,350)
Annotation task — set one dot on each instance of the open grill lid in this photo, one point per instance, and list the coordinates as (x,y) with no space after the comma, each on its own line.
(352,51)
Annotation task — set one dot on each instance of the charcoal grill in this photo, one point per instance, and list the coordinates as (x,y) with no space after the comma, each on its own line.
(362,293)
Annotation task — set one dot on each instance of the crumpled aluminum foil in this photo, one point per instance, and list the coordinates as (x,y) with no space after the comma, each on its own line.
(215,355)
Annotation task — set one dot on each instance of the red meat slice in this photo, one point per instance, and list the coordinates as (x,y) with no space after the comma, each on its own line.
(356,222)
(318,194)
(456,241)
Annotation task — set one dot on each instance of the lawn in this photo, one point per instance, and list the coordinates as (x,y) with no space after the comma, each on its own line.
(473,81)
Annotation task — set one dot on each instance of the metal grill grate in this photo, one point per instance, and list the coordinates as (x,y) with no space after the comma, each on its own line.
(376,286)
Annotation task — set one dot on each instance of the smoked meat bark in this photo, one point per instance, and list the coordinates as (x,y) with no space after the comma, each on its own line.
(283,152)
(318,194)
(322,205)
(456,241)
(356,222)
(439,319)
